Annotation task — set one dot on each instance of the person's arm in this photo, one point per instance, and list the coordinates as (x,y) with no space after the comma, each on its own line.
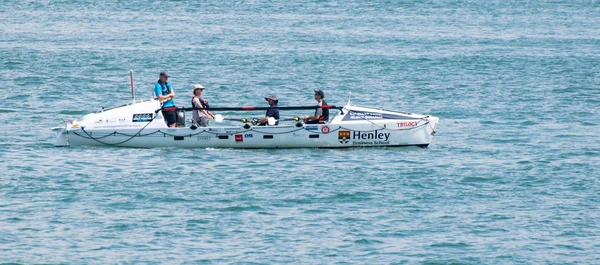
(208,114)
(264,120)
(316,117)
(196,103)
(171,94)
(312,118)
(162,98)
(158,92)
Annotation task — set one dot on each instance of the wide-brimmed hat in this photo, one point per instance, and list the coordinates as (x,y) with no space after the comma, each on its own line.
(271,97)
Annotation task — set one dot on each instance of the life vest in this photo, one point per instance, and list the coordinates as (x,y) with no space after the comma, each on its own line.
(165,88)
(325,117)
(203,103)
(165,91)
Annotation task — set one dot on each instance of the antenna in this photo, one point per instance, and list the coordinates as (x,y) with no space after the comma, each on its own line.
(132,86)
(349,96)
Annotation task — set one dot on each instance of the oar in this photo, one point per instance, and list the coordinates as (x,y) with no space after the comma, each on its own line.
(251,108)
(219,118)
(271,121)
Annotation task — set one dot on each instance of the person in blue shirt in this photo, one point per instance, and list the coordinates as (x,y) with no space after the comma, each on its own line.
(165,94)
(273,112)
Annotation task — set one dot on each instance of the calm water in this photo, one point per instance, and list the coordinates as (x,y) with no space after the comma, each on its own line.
(510,178)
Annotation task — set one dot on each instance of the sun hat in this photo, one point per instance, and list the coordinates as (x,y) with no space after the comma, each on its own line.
(198,86)
(271,97)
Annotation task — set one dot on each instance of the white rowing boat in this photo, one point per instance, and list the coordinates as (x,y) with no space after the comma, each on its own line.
(141,124)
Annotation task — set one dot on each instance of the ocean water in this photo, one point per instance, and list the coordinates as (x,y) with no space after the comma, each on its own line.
(511,177)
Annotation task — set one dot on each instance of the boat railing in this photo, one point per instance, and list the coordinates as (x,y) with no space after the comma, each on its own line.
(124,105)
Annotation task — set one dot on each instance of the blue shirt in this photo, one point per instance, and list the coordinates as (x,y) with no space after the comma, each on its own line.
(164,89)
(273,112)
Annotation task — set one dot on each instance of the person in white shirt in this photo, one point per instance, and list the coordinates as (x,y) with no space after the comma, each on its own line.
(200,117)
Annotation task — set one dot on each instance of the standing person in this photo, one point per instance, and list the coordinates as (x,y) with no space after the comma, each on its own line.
(321,115)
(200,116)
(273,112)
(165,94)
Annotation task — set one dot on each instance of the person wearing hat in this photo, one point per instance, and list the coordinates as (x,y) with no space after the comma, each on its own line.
(165,94)
(321,115)
(272,112)
(200,117)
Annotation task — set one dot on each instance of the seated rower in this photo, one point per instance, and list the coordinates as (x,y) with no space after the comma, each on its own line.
(200,117)
(321,115)
(273,112)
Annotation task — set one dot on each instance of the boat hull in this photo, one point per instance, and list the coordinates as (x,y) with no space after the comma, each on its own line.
(306,136)
(353,127)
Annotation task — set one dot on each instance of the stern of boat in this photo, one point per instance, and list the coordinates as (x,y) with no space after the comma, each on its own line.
(61,136)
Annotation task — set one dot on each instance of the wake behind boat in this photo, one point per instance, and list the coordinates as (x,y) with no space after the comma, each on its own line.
(141,124)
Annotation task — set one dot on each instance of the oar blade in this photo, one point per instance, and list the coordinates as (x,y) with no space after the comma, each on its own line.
(219,118)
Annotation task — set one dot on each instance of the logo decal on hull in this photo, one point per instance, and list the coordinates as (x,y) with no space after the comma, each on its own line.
(358,137)
(204,138)
(344,137)
(408,124)
(142,117)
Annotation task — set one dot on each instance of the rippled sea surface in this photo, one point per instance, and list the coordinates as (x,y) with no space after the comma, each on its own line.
(510,178)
